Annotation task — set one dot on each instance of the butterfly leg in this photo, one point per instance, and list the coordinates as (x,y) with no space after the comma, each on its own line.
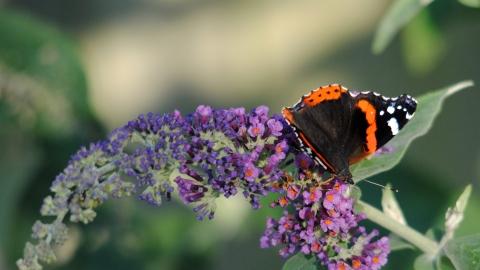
(328,180)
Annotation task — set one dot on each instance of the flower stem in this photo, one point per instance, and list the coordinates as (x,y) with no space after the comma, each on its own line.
(417,239)
(106,169)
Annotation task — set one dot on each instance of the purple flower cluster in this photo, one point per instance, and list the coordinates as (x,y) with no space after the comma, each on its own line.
(87,181)
(323,223)
(220,150)
(164,137)
(89,171)
(230,150)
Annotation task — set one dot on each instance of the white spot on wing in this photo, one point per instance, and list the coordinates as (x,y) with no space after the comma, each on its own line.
(393,124)
(390,109)
(381,113)
(399,107)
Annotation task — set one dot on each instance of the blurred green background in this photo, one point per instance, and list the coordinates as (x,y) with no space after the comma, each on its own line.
(70,71)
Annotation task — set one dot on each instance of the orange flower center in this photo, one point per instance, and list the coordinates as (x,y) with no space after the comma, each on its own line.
(303,163)
(336,187)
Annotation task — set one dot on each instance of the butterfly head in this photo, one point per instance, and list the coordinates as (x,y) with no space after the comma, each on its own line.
(346,176)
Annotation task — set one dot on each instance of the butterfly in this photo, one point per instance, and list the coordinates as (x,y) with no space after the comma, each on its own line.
(337,128)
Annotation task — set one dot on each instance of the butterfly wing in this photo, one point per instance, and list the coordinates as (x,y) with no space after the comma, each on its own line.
(322,122)
(377,120)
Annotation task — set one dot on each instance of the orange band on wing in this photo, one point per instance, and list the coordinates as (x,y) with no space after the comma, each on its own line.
(287,114)
(371,142)
(331,92)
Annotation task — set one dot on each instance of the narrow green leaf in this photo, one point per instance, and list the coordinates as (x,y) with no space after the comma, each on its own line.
(462,201)
(454,216)
(397,243)
(470,3)
(301,261)
(391,207)
(434,234)
(464,252)
(396,17)
(429,105)
(424,262)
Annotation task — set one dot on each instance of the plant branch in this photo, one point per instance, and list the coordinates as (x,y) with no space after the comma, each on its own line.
(417,239)
(106,168)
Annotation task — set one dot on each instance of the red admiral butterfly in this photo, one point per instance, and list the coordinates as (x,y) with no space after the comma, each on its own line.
(337,128)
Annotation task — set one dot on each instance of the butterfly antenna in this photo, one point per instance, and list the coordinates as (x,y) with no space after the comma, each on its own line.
(377,184)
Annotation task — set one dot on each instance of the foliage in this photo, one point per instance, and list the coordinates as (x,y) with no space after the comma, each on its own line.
(43,95)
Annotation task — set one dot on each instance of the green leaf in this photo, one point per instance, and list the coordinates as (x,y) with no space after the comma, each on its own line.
(40,67)
(395,242)
(470,3)
(19,161)
(429,106)
(455,216)
(301,261)
(422,44)
(434,234)
(462,201)
(355,193)
(464,252)
(391,207)
(424,262)
(396,17)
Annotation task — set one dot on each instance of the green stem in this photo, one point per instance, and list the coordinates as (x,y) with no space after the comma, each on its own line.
(106,168)
(417,239)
